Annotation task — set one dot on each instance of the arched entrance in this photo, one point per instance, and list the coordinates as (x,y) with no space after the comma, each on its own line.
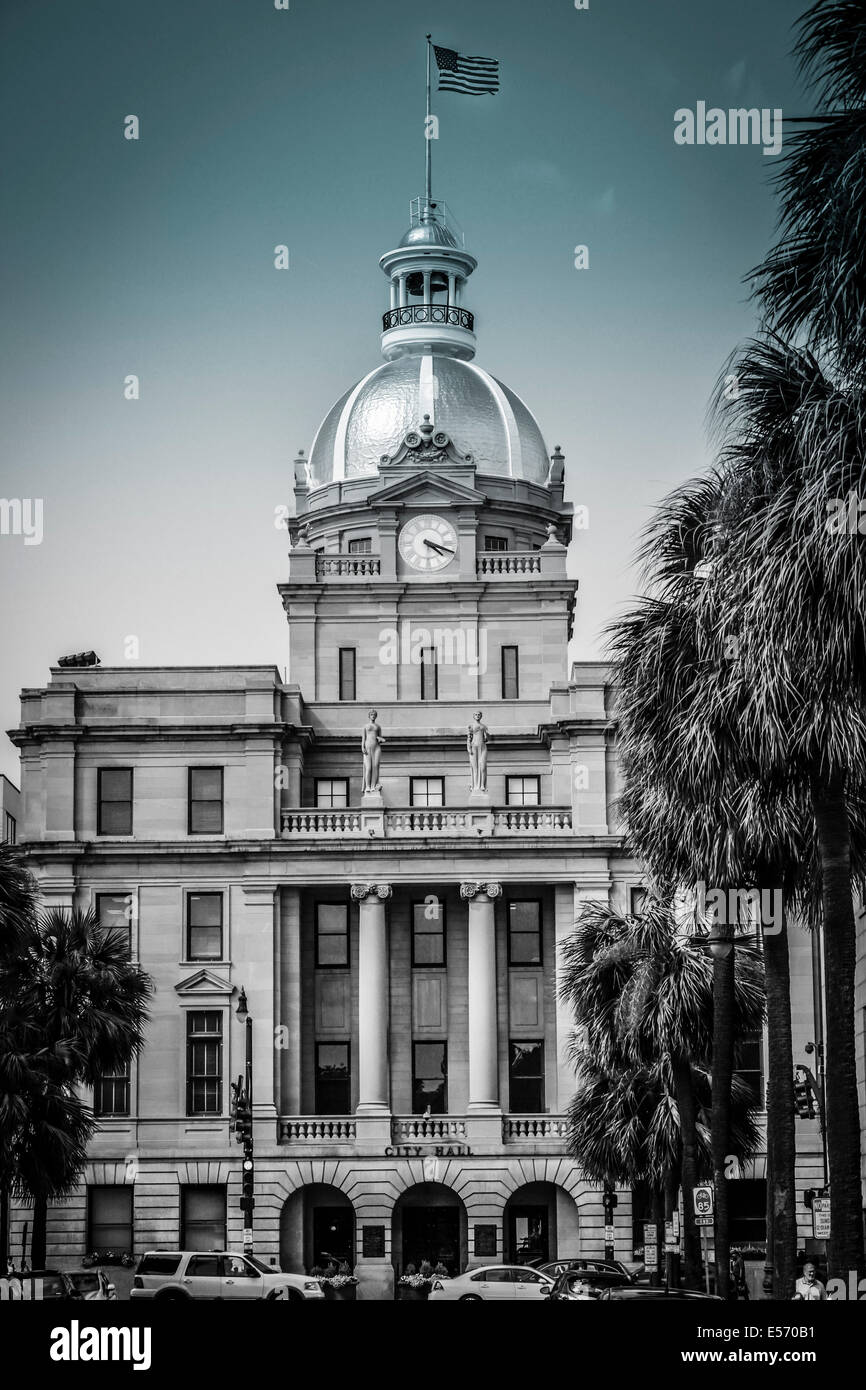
(317,1224)
(429,1223)
(541,1223)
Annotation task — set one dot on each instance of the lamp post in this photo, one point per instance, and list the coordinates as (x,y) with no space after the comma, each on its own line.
(720,943)
(245,1115)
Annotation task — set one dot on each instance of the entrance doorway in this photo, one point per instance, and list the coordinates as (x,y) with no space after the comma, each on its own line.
(333,1235)
(429,1223)
(529,1233)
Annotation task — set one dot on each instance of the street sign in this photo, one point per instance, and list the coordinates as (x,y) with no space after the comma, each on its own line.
(650,1245)
(672,1237)
(608,1235)
(650,1233)
(704,1200)
(821,1218)
(703,1221)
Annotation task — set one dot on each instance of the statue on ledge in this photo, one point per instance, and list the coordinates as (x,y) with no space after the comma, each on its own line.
(477,739)
(371,742)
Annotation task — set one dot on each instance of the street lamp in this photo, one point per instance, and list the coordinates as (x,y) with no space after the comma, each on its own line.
(245,1103)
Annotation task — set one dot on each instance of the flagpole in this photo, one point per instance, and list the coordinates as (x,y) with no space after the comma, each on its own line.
(428,141)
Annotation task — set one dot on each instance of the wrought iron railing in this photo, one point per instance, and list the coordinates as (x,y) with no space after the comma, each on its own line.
(448,314)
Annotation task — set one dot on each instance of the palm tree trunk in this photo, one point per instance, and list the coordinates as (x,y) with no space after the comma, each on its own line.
(672,1259)
(4,1226)
(843,1119)
(39,1233)
(720,1123)
(658,1211)
(781,1143)
(685,1093)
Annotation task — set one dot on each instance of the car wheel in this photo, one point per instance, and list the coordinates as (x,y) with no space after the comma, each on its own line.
(470,1298)
(285,1294)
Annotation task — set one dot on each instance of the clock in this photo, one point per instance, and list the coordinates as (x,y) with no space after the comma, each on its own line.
(428,543)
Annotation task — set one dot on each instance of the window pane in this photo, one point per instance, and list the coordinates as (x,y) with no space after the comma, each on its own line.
(526,1088)
(332,792)
(428,934)
(205,1266)
(204,1063)
(332,1079)
(110,1218)
(510,682)
(114,913)
(524,933)
(206,783)
(523,791)
(205,909)
(205,926)
(347,673)
(427,791)
(203,1218)
(429,674)
(116,783)
(362,545)
(332,934)
(495,543)
(527,1059)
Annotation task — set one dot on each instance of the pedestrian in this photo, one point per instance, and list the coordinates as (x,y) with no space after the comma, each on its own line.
(739,1286)
(809,1288)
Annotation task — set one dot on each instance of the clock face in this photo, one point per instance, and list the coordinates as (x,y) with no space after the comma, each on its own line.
(428,543)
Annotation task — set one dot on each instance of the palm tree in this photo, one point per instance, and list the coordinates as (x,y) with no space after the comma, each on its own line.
(18,905)
(642,996)
(796,438)
(77,1007)
(813,282)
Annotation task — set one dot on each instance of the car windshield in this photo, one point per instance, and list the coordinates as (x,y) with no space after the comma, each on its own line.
(257,1264)
(86,1283)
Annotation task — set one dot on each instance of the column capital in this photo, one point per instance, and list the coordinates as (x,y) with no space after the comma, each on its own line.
(360,891)
(469,890)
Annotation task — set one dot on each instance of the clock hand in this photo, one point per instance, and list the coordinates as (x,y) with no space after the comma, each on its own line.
(442,549)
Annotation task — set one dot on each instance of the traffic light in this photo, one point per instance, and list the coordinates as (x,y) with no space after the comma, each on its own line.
(248,1200)
(812,1192)
(610,1201)
(803,1103)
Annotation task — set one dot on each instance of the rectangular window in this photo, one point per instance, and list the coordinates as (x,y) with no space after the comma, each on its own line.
(203,1217)
(114,801)
(749,1065)
(111,1094)
(523,791)
(361,545)
(637,896)
(204,1062)
(526,1077)
(10,829)
(428,933)
(427,791)
(524,933)
(747,1211)
(332,934)
(114,913)
(205,801)
(495,543)
(332,792)
(429,674)
(347,673)
(429,1077)
(510,677)
(333,1077)
(204,929)
(109,1219)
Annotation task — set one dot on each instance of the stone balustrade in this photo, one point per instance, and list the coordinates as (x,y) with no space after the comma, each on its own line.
(347,566)
(427,1129)
(533,1128)
(517,562)
(428,823)
(317,1129)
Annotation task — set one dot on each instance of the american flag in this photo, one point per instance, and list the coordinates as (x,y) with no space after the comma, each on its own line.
(459,74)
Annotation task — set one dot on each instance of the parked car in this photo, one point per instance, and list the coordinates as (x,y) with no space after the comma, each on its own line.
(93,1284)
(183,1274)
(557,1267)
(582,1284)
(642,1292)
(39,1286)
(493,1282)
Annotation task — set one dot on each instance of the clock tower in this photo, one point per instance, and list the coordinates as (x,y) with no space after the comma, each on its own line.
(429,507)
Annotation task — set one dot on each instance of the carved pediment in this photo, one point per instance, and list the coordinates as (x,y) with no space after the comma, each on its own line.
(426,489)
(426,444)
(204,982)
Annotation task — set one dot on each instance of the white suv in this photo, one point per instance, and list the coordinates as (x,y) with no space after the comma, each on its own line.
(183,1274)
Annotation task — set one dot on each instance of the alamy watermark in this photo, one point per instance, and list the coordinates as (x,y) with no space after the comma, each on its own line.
(736,126)
(409,645)
(22,516)
(728,907)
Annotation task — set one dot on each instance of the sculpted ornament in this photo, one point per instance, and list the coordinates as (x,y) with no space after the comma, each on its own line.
(477,739)
(360,891)
(469,890)
(371,744)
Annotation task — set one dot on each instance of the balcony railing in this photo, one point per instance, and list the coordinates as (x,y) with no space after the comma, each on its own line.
(342,565)
(448,314)
(530,1129)
(427,1129)
(318,1129)
(432,823)
(509,562)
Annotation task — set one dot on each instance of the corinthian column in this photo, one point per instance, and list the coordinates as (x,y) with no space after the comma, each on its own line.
(373,1090)
(483,1048)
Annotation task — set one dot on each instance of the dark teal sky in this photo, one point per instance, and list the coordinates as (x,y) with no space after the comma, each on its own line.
(305,127)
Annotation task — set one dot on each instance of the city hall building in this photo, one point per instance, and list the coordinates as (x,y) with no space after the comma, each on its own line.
(379,857)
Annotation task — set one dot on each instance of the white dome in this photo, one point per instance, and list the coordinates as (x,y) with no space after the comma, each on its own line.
(483,418)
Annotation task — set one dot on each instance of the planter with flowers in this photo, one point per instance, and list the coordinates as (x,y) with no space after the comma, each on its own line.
(338,1282)
(108,1257)
(414,1285)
